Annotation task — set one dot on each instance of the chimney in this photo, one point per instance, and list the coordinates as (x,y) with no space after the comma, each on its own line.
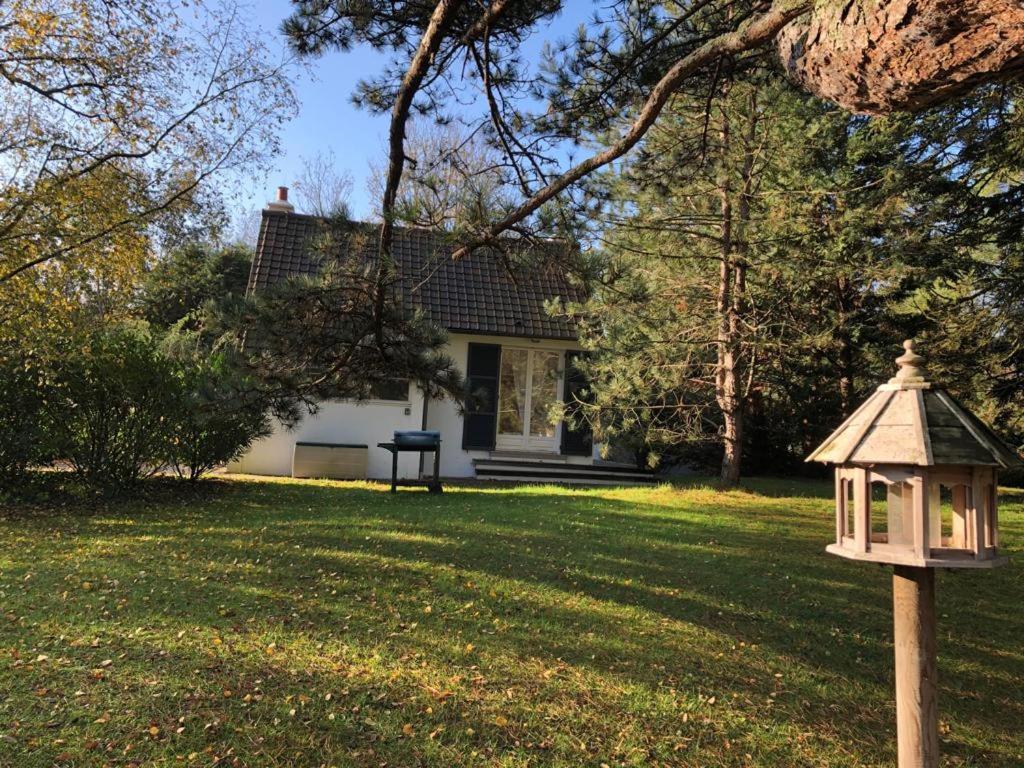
(281,203)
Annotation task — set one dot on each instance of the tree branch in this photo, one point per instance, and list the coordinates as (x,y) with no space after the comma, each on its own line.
(754,33)
(430,43)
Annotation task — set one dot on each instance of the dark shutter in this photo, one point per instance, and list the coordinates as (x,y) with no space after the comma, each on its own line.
(578,441)
(481,420)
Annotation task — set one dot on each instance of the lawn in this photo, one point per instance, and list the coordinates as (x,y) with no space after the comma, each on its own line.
(268,623)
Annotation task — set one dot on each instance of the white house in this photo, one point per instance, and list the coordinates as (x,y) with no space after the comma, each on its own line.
(502,336)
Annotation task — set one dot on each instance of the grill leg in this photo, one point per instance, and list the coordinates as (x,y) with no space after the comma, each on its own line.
(394,471)
(435,483)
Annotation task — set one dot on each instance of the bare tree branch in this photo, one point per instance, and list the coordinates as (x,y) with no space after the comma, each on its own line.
(756,32)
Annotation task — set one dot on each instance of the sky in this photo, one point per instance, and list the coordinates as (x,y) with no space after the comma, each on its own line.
(328,122)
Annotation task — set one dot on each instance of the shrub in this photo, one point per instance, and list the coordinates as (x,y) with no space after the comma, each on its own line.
(25,387)
(111,415)
(217,417)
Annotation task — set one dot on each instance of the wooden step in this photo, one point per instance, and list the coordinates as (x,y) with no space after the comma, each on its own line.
(548,480)
(527,456)
(560,466)
(560,472)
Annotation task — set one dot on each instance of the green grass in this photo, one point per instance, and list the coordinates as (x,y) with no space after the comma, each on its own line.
(281,623)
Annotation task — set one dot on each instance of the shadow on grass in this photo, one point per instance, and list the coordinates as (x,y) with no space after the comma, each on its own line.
(640,592)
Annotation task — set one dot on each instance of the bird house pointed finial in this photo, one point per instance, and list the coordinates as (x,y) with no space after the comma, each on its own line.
(911,370)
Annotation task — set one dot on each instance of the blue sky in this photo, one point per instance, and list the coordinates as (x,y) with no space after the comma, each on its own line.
(327,120)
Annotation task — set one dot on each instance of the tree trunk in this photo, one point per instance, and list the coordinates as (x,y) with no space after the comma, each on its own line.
(880,56)
(725,368)
(844,355)
(730,389)
(845,374)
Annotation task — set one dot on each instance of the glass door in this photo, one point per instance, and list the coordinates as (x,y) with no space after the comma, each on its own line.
(528,386)
(540,432)
(512,413)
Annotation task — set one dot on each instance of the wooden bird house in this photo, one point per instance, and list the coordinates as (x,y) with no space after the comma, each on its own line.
(916,477)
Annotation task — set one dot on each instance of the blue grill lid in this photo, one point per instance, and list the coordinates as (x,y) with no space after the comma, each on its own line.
(417,437)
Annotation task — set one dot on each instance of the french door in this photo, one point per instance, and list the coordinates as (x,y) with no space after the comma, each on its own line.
(527,388)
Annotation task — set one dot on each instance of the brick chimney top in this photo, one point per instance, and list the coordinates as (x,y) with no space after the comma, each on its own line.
(281,202)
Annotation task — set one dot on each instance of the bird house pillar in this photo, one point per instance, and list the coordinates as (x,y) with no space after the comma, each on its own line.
(914,439)
(917,712)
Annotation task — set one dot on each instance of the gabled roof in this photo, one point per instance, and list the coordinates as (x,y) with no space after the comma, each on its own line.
(476,294)
(909,420)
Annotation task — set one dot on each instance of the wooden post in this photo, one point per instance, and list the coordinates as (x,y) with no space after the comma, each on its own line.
(922,502)
(862,510)
(842,508)
(917,714)
(961,525)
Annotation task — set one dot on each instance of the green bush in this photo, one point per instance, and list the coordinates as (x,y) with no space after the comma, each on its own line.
(217,417)
(129,404)
(25,386)
(111,415)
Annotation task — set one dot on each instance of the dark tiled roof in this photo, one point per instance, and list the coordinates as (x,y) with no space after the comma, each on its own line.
(476,294)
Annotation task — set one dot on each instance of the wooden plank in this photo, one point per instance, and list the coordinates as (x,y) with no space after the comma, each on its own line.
(936,412)
(899,410)
(894,513)
(961,514)
(888,444)
(934,513)
(956,445)
(993,501)
(841,511)
(922,547)
(857,431)
(920,428)
(990,443)
(862,510)
(917,711)
(977,513)
(819,453)
(950,476)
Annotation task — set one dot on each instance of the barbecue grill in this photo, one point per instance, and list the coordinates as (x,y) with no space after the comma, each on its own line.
(419,441)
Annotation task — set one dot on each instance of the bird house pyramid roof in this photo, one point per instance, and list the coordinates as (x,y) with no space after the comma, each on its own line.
(909,420)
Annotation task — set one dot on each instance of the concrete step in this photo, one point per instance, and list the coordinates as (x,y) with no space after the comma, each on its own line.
(536,471)
(549,480)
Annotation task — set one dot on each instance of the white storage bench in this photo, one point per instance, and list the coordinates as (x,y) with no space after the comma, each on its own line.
(339,461)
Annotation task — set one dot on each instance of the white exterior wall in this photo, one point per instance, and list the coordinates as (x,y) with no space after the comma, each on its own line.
(366,423)
(374,422)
